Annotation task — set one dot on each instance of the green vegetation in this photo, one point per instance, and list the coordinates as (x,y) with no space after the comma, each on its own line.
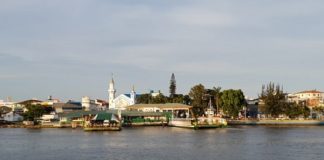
(173,86)
(149,99)
(319,109)
(275,104)
(274,100)
(176,98)
(197,94)
(4,109)
(35,111)
(293,110)
(232,102)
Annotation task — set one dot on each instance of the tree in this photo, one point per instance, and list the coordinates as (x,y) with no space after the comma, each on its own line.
(232,102)
(176,98)
(273,99)
(294,110)
(187,100)
(33,112)
(274,103)
(4,109)
(144,99)
(197,94)
(149,99)
(173,86)
(160,98)
(318,110)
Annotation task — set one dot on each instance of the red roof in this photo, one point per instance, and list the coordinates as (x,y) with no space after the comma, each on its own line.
(30,101)
(310,91)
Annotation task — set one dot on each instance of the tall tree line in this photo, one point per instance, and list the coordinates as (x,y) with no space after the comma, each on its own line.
(229,101)
(274,103)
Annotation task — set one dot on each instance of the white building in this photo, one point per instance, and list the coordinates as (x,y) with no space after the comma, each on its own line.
(311,98)
(93,105)
(88,104)
(12,117)
(123,100)
(7,104)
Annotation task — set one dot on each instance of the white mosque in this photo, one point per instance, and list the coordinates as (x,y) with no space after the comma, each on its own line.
(122,101)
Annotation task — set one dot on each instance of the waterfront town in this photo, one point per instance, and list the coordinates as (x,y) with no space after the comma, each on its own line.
(201,108)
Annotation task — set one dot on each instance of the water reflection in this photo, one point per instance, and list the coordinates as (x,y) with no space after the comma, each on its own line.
(164,143)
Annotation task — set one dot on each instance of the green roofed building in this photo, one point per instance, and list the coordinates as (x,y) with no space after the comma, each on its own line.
(104,117)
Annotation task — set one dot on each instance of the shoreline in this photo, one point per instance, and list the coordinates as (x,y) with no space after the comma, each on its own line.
(277,122)
(230,123)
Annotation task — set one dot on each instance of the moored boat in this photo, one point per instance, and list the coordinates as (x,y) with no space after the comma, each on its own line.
(200,123)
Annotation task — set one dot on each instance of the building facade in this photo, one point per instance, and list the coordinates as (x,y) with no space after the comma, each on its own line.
(122,101)
(311,98)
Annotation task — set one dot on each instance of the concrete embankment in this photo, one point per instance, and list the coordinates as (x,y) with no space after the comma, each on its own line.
(275,122)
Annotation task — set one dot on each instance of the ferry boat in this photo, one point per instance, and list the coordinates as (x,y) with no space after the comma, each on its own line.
(210,121)
(199,123)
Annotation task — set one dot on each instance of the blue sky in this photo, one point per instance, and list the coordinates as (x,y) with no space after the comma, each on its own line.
(69,49)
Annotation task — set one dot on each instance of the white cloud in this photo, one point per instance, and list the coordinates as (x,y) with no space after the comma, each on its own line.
(202,18)
(216,40)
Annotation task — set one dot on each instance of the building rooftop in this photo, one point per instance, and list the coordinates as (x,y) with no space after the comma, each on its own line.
(30,101)
(309,91)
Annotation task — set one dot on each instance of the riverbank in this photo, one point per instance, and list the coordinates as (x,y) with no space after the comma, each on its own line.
(29,126)
(275,122)
(230,122)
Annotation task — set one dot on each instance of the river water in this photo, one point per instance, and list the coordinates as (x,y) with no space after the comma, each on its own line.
(158,143)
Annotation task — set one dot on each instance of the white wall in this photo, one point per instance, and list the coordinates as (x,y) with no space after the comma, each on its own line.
(12,117)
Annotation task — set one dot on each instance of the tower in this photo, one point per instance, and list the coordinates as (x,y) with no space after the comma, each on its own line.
(133,96)
(111,92)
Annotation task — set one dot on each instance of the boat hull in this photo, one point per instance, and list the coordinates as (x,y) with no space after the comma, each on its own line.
(186,123)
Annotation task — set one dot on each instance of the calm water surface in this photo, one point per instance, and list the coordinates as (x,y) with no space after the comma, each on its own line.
(152,143)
